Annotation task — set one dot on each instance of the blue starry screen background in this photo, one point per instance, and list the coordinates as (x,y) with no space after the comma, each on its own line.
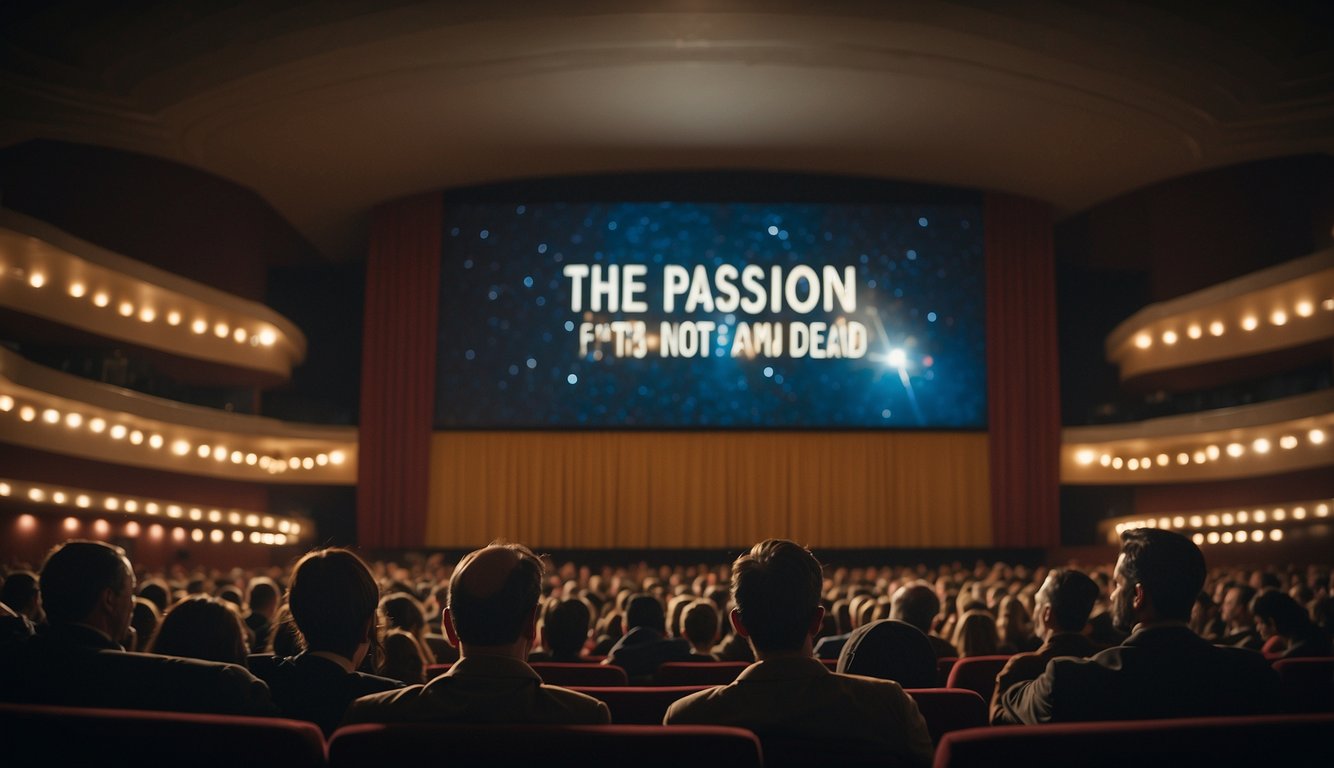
(509,351)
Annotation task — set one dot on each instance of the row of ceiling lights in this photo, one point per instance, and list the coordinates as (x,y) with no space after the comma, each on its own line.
(1248,322)
(261,336)
(1213,452)
(35,414)
(155,532)
(77,498)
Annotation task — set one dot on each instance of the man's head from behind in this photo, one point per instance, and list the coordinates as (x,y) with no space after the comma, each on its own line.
(493,596)
(89,582)
(644,610)
(565,626)
(1157,577)
(332,598)
(916,604)
(1064,602)
(776,587)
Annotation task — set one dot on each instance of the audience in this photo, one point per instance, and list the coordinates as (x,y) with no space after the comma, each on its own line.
(699,625)
(788,694)
(1163,669)
(492,619)
(333,600)
(890,650)
(1240,630)
(1279,616)
(1063,605)
(565,625)
(496,604)
(87,590)
(201,627)
(976,634)
(645,647)
(919,605)
(263,599)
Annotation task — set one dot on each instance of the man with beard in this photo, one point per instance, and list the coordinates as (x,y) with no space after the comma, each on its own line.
(1163,669)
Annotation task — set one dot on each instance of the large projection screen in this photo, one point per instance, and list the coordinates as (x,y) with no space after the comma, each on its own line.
(688,361)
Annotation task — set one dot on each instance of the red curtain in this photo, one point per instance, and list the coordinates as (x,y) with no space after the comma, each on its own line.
(398,372)
(1023,376)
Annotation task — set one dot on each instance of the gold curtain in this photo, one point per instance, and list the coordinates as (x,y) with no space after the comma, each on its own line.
(716,489)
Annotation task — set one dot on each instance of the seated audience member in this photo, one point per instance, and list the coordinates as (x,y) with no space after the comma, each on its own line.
(1277,615)
(284,639)
(144,621)
(1015,627)
(919,605)
(88,594)
(21,594)
(610,629)
(263,602)
(492,618)
(1163,669)
(788,694)
(645,647)
(976,635)
(565,625)
(403,657)
(201,627)
(157,592)
(333,599)
(1061,609)
(890,650)
(1240,632)
(404,612)
(699,626)
(1205,620)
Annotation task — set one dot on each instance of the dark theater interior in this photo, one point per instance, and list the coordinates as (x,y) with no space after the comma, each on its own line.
(929,383)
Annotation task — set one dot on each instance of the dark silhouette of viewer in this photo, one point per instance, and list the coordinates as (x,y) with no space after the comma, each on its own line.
(645,645)
(890,650)
(788,697)
(1277,614)
(78,660)
(492,619)
(333,600)
(1163,669)
(1061,610)
(201,627)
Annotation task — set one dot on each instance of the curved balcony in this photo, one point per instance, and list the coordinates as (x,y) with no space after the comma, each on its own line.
(49,274)
(1232,525)
(1289,308)
(1280,436)
(53,411)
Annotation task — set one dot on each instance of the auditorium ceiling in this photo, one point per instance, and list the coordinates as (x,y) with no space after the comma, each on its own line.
(327,109)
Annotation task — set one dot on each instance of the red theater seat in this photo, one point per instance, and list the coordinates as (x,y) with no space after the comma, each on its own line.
(1278,740)
(576,746)
(949,709)
(555,673)
(39,735)
(640,704)
(977,673)
(698,672)
(1308,684)
(435,670)
(943,666)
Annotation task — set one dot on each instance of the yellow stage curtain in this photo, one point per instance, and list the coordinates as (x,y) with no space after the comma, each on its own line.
(714,489)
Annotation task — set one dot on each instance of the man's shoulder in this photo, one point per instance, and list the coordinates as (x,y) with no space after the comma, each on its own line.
(571,699)
(699,706)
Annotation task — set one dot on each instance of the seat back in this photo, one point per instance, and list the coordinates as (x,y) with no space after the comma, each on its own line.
(557,673)
(977,673)
(1286,740)
(576,746)
(1308,684)
(640,704)
(943,666)
(42,735)
(698,672)
(949,709)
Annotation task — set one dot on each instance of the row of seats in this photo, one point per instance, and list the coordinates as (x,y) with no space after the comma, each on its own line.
(62,735)
(1306,683)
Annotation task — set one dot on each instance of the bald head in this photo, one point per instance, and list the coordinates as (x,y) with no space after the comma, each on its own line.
(494,590)
(915,604)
